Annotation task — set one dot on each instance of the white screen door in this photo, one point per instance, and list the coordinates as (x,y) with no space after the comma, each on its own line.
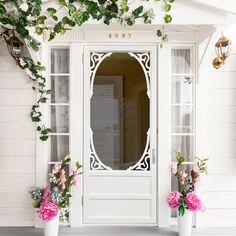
(120,124)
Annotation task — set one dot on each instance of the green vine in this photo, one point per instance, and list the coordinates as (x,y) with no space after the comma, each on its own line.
(18,16)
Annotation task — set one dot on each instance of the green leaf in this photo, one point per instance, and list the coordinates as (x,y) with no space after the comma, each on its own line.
(78,165)
(44,137)
(36,203)
(159,33)
(62,2)
(2,9)
(43,100)
(65,20)
(167,18)
(137,11)
(181,211)
(41,20)
(171,1)
(38,30)
(167,7)
(51,10)
(55,18)
(57,28)
(72,9)
(130,22)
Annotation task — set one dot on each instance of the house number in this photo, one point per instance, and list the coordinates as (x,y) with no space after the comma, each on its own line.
(119,35)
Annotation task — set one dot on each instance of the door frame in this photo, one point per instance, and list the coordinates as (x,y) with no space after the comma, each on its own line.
(163,159)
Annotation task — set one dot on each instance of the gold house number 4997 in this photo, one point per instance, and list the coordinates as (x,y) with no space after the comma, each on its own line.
(119,35)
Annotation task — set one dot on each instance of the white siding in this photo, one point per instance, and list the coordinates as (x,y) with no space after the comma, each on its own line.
(218,138)
(17,144)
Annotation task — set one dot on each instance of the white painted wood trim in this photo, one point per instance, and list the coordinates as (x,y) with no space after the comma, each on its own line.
(164,131)
(111,36)
(76,127)
(41,147)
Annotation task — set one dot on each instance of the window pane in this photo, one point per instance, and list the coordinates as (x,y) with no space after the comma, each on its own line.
(184,144)
(120,112)
(59,147)
(60,60)
(180,61)
(59,89)
(182,119)
(60,119)
(182,89)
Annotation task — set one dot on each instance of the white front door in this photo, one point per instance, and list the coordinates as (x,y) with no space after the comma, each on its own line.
(120,134)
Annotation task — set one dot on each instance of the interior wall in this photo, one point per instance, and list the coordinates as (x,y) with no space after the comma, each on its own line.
(217,140)
(133,84)
(17,144)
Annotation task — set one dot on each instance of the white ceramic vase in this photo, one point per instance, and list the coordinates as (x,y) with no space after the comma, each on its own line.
(51,227)
(185,223)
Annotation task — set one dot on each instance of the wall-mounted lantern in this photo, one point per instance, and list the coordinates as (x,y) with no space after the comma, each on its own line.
(223,49)
(14,46)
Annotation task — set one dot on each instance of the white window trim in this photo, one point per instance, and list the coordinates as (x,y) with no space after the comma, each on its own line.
(194,104)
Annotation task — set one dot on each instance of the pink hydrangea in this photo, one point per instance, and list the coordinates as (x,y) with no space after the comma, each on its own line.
(48,210)
(193,202)
(174,199)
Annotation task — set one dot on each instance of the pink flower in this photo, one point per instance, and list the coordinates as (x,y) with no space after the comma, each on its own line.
(75,182)
(174,167)
(174,199)
(46,193)
(71,172)
(62,176)
(196,169)
(48,210)
(182,177)
(56,168)
(196,182)
(193,202)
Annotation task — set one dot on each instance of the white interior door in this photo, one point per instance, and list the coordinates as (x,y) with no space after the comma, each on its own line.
(120,139)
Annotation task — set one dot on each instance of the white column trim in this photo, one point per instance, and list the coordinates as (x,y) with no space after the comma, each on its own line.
(164,131)
(76,127)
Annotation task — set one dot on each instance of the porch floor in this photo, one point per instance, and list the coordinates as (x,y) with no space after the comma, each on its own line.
(116,231)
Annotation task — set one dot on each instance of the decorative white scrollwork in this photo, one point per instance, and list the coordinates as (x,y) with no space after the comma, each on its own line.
(96,59)
(95,163)
(144,162)
(144,61)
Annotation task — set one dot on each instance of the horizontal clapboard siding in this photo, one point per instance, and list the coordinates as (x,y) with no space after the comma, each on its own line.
(17,216)
(17,144)
(219,142)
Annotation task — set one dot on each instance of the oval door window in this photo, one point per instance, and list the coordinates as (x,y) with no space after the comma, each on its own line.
(119,112)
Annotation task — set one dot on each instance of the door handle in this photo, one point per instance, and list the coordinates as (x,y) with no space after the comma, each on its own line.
(153,156)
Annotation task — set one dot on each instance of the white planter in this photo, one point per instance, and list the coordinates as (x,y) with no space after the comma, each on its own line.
(51,227)
(185,223)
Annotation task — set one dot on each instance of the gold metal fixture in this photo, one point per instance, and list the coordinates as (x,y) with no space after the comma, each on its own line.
(223,49)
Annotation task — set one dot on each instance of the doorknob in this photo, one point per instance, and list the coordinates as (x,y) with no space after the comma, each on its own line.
(153,156)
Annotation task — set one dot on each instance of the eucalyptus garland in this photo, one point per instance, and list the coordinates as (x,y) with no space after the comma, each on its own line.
(19,16)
